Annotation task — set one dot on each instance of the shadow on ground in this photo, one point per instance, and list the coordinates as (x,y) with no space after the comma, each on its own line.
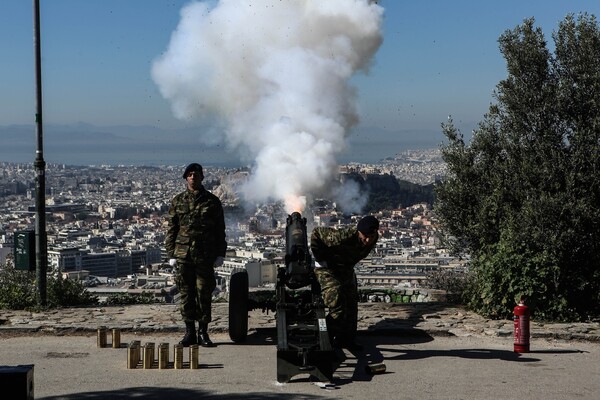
(403,318)
(150,393)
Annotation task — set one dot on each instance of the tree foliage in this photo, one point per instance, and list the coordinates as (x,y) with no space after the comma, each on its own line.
(523,196)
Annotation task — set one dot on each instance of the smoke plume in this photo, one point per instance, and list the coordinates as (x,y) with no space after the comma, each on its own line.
(276,73)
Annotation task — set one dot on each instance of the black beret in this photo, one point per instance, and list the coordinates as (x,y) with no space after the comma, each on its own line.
(368,225)
(192,167)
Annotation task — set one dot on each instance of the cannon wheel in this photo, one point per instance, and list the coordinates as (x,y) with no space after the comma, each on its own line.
(238,306)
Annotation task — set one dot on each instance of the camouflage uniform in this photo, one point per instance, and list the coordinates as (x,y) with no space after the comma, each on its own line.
(196,237)
(340,249)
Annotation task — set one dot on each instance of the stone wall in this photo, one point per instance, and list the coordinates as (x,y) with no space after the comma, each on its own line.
(368,295)
(405,295)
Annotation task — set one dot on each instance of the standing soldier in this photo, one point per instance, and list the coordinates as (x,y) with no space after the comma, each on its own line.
(336,253)
(195,244)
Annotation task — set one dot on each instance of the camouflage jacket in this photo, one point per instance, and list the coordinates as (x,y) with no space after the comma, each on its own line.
(339,248)
(196,227)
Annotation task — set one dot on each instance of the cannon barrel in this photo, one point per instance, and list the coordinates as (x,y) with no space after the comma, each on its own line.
(298,262)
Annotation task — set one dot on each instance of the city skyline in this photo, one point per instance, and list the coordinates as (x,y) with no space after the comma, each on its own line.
(102,105)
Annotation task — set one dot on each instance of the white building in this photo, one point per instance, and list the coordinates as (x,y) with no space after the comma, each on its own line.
(260,271)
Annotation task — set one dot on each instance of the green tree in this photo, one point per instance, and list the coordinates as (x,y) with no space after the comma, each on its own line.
(523,196)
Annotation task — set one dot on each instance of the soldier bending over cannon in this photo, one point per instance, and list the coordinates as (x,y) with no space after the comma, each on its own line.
(336,252)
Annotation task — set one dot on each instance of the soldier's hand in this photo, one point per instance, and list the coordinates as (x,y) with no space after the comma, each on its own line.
(219,261)
(173,262)
(320,264)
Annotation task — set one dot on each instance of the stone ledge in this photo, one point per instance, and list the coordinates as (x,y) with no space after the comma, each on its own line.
(434,319)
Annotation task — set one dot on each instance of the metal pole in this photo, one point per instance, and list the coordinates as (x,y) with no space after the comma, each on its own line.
(41,256)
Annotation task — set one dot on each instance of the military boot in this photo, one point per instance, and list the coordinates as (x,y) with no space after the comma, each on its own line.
(341,338)
(190,334)
(332,329)
(203,339)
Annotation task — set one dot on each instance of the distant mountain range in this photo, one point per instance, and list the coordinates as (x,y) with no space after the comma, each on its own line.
(86,144)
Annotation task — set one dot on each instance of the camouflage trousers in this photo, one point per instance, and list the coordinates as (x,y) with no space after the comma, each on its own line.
(340,295)
(196,284)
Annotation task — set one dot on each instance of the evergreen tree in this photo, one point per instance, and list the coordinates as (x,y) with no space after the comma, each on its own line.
(523,196)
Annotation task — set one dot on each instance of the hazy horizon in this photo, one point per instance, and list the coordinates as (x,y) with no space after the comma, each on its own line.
(86,144)
(436,59)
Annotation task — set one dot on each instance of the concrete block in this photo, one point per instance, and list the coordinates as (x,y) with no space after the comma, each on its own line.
(17,380)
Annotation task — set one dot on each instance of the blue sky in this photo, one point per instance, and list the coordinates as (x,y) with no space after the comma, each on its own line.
(438,58)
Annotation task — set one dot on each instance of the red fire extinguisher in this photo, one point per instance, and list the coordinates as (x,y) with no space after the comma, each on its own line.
(521,325)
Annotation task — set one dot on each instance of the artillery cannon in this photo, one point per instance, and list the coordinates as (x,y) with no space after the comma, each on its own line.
(303,345)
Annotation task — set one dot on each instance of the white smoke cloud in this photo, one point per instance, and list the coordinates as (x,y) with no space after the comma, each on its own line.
(276,72)
(349,197)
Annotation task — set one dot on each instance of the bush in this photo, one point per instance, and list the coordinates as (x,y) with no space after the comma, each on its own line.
(18,291)
(454,283)
(17,288)
(68,292)
(128,299)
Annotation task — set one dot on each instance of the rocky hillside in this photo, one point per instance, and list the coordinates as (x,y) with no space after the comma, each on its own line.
(387,192)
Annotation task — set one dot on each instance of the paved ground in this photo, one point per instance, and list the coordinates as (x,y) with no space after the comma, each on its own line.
(431,351)
(475,367)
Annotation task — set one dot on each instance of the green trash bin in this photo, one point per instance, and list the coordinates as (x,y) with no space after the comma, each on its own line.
(24,250)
